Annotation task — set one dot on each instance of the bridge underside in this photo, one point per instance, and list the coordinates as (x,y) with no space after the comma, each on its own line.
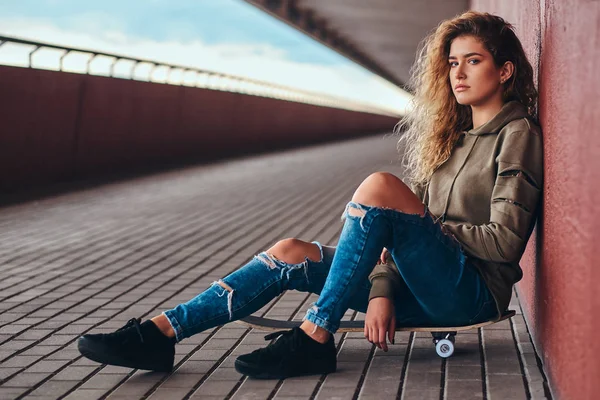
(380,35)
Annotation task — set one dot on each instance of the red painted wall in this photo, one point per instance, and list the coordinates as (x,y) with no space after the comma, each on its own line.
(560,289)
(56,126)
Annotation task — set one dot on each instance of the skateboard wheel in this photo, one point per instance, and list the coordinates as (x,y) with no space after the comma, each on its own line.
(444,348)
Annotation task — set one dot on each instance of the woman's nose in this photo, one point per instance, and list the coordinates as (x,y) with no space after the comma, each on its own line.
(459,73)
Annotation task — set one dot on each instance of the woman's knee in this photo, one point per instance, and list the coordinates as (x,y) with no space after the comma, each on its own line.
(383,189)
(293,251)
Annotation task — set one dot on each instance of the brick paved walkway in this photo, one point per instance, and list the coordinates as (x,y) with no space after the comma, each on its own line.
(89,260)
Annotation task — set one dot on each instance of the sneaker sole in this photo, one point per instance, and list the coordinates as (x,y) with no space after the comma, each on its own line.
(255,372)
(105,357)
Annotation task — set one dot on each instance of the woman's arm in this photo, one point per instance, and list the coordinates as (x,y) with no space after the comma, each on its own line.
(384,278)
(380,320)
(514,203)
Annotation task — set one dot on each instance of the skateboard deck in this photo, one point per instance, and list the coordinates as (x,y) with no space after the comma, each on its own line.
(268,324)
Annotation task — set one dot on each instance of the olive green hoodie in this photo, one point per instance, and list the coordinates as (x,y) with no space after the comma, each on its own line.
(486,194)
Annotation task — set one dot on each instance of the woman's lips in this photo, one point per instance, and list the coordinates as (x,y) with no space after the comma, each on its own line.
(461,88)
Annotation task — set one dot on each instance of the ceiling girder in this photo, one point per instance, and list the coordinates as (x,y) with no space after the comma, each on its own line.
(318,28)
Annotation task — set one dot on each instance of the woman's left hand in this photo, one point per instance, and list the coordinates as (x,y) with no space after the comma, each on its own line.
(383,255)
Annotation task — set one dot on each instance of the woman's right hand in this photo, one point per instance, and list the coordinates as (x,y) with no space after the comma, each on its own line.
(380,319)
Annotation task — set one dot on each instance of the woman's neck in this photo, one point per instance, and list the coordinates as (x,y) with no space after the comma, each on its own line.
(484,113)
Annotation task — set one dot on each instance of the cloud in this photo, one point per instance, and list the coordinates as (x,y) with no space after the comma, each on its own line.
(258,61)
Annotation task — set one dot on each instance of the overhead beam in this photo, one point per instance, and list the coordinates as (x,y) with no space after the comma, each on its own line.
(307,21)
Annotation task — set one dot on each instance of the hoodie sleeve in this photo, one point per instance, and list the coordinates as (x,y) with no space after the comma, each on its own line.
(384,279)
(514,201)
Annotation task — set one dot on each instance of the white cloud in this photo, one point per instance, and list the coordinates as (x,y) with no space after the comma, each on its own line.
(257,61)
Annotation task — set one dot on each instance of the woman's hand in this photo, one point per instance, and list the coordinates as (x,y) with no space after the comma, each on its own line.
(383,255)
(380,319)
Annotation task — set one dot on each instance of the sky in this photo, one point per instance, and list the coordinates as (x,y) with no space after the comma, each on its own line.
(228,36)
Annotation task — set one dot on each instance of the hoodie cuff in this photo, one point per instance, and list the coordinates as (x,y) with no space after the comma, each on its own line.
(382,287)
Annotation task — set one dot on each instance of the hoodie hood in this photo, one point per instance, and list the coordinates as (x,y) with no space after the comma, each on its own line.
(510,111)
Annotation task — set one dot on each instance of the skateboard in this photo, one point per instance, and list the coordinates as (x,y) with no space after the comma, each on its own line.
(443,337)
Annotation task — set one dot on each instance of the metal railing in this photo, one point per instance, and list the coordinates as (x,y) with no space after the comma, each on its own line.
(201,78)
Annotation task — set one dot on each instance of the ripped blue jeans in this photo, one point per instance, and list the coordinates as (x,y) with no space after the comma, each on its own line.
(439,288)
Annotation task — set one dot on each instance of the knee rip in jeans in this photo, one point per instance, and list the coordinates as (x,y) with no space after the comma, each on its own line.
(229,292)
(271,261)
(359,210)
(355,210)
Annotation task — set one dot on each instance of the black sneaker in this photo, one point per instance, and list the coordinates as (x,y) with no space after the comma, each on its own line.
(135,345)
(294,353)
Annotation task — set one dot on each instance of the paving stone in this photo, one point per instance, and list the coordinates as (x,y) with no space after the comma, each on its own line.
(217,388)
(12,329)
(225,374)
(464,389)
(505,387)
(113,369)
(46,366)
(219,344)
(380,389)
(336,393)
(168,394)
(342,379)
(86,394)
(54,389)
(103,381)
(425,360)
(133,389)
(503,366)
(195,367)
(84,362)
(34,334)
(421,394)
(422,380)
(299,388)
(40,350)
(7,393)
(74,373)
(461,372)
(182,381)
(64,354)
(26,379)
(16,344)
(20,361)
(185,348)
(6,372)
(202,396)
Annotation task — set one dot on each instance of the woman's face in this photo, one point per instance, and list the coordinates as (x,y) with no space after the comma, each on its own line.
(474,77)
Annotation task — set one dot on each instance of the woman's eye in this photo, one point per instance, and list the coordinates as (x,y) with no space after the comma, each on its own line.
(453,63)
(473,61)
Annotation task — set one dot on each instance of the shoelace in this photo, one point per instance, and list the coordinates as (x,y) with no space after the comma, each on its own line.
(133,322)
(286,336)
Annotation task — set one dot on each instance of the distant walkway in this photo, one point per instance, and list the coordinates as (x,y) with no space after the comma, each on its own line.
(88,261)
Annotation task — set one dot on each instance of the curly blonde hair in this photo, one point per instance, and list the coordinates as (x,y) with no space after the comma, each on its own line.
(436,120)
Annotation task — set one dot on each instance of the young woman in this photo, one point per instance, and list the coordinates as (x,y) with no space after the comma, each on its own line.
(445,253)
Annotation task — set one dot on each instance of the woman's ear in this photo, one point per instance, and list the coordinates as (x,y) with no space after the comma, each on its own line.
(506,71)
